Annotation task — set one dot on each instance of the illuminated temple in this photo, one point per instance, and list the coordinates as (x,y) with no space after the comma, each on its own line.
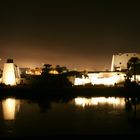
(11,74)
(116,75)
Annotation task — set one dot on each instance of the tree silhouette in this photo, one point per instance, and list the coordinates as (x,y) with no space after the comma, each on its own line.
(46,68)
(61,69)
(133,67)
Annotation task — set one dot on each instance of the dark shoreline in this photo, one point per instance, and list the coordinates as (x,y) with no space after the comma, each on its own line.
(53,92)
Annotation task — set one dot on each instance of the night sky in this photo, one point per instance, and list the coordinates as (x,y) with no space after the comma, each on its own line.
(79,34)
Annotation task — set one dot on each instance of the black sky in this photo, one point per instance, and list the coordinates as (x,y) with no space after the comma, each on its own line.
(78,34)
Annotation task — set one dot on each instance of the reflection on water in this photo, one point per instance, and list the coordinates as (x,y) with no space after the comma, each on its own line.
(94,101)
(101,115)
(10,107)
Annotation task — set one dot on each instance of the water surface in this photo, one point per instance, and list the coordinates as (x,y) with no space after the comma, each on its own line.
(80,115)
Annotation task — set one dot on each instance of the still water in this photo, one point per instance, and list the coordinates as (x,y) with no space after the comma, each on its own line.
(80,115)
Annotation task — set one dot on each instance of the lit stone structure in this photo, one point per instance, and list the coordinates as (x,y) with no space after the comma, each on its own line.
(110,78)
(11,73)
(107,78)
(119,61)
(101,78)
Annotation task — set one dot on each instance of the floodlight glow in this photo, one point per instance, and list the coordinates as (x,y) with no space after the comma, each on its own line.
(107,79)
(9,74)
(53,72)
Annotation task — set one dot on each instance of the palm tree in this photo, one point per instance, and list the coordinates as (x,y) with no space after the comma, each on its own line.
(46,68)
(133,66)
(61,69)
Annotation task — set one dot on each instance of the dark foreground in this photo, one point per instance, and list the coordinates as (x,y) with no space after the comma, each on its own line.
(76,111)
(41,92)
(79,116)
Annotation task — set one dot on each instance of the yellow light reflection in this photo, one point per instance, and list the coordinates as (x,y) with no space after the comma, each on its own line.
(10,106)
(94,101)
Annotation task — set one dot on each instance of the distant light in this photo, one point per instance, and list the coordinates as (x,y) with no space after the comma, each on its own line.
(53,72)
(36,71)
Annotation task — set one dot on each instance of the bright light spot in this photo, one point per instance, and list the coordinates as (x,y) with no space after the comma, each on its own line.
(10,106)
(80,101)
(78,81)
(137,78)
(53,72)
(9,75)
(81,81)
(107,79)
(36,71)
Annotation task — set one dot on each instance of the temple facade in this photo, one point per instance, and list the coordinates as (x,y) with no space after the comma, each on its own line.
(119,61)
